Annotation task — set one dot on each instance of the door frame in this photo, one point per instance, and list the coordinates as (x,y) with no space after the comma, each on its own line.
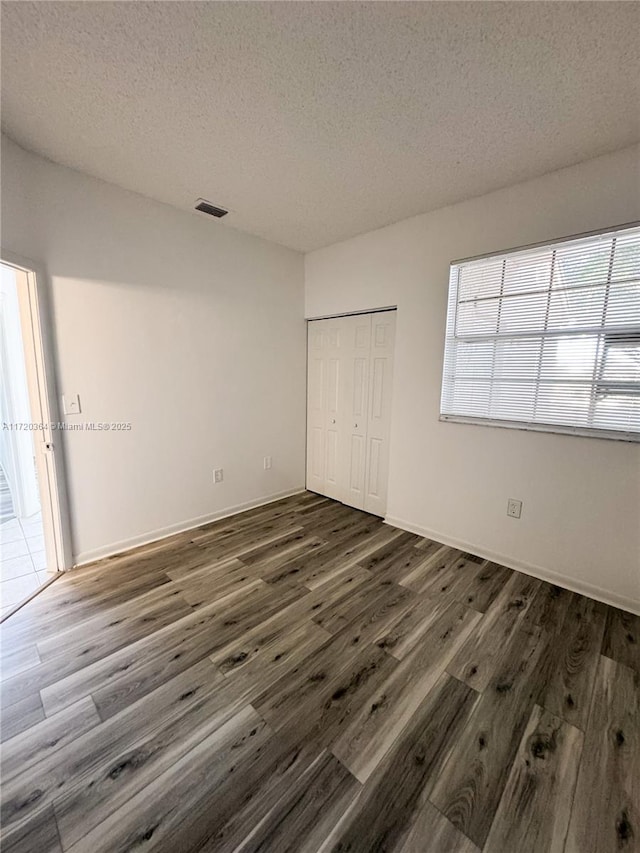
(38,343)
(332,316)
(351,313)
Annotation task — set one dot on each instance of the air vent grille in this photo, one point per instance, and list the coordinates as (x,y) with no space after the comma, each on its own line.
(206,207)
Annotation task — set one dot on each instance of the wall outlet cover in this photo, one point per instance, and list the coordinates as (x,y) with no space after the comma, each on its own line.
(514,508)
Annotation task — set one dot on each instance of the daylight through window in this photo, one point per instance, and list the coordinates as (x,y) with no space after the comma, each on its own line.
(548,337)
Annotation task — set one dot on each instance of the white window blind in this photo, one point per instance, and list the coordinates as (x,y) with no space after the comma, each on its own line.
(548,337)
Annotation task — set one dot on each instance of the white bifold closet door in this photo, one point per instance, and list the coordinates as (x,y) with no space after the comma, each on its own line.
(350,370)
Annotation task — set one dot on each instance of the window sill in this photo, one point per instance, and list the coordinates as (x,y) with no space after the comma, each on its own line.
(584,432)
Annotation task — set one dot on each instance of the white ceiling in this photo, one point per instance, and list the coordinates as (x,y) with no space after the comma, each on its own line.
(316,121)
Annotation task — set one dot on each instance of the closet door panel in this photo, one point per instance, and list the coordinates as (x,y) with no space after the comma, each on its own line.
(375,483)
(350,371)
(332,437)
(337,343)
(379,415)
(357,362)
(326,401)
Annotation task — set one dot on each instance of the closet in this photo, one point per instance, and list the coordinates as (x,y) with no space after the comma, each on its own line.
(349,385)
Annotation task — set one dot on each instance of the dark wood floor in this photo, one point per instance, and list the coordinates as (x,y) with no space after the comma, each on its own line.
(302,678)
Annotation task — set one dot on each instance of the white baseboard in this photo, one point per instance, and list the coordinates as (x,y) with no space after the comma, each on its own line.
(565,581)
(85,557)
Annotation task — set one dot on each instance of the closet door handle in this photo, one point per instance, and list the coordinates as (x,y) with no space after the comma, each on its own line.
(333,420)
(355,426)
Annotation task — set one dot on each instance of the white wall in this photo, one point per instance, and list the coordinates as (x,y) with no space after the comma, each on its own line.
(581,517)
(188,329)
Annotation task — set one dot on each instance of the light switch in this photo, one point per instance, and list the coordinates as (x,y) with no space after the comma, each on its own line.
(71,404)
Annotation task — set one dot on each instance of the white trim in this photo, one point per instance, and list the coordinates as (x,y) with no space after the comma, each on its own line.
(85,557)
(565,581)
(556,429)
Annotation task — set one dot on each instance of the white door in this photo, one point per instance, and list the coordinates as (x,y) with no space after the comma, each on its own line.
(350,368)
(355,362)
(383,330)
(43,399)
(326,400)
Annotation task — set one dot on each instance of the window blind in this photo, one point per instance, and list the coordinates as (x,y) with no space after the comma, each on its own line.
(548,337)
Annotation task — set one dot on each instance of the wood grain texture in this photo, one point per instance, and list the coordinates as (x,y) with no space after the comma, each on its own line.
(375,727)
(14,662)
(270,776)
(568,689)
(391,801)
(478,659)
(408,630)
(535,807)
(606,806)
(303,677)
(449,571)
(66,774)
(302,819)
(20,716)
(47,736)
(622,638)
(110,786)
(40,834)
(432,831)
(149,819)
(485,586)
(322,686)
(469,789)
(81,649)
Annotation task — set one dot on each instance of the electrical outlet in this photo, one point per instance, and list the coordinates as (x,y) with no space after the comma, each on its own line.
(267,463)
(514,508)
(218,475)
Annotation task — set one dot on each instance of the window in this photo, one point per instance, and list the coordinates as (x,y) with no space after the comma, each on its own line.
(548,337)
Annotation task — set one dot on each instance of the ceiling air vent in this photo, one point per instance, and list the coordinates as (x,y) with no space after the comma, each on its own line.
(206,207)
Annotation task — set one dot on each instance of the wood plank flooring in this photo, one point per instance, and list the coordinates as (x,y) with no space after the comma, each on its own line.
(303,678)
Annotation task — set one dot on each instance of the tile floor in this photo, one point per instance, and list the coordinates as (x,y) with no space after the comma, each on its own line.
(22,560)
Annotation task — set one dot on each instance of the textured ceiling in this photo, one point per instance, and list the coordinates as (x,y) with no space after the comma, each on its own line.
(313,122)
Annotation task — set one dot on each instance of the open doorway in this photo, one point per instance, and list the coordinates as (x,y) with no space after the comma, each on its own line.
(33,522)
